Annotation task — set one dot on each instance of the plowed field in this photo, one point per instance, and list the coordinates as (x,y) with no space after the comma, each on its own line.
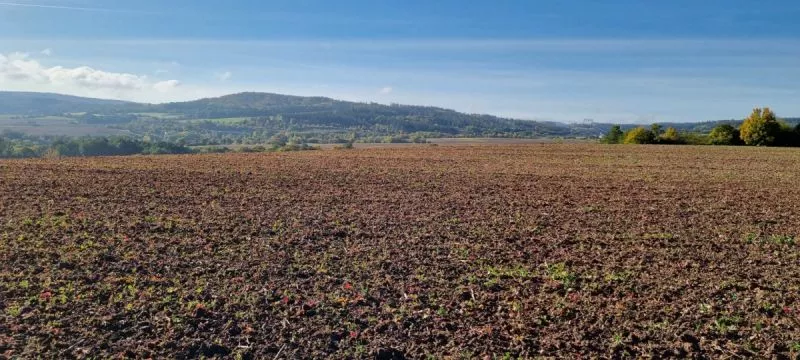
(551,250)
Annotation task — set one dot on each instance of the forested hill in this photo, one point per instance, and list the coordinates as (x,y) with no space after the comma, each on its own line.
(43,104)
(257,117)
(336,114)
(262,114)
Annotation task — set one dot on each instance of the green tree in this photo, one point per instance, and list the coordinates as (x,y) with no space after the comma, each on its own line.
(796,136)
(785,136)
(656,129)
(670,136)
(761,128)
(279,140)
(614,135)
(4,145)
(66,147)
(95,146)
(125,146)
(724,135)
(165,148)
(23,151)
(639,135)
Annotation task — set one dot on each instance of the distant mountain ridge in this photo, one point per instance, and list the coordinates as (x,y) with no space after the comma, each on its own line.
(34,103)
(250,115)
(297,112)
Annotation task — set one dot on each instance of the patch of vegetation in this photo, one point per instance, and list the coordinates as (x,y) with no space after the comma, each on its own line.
(516,272)
(724,325)
(561,273)
(782,240)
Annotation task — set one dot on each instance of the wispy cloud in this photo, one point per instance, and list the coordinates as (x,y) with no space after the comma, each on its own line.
(63,7)
(386,90)
(166,86)
(224,76)
(549,45)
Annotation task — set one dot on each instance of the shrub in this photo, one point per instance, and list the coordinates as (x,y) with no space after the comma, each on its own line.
(346,146)
(724,135)
(215,150)
(279,140)
(639,135)
(656,129)
(255,149)
(613,136)
(692,138)
(160,148)
(670,136)
(51,153)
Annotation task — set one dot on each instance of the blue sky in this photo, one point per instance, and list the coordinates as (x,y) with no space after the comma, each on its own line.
(613,61)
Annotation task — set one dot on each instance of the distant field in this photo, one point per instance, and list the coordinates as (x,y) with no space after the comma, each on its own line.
(434,142)
(489,252)
(227,121)
(14,119)
(160,115)
(63,129)
(455,142)
(52,125)
(504,141)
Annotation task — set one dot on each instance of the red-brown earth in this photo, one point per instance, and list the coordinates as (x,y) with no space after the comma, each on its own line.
(550,250)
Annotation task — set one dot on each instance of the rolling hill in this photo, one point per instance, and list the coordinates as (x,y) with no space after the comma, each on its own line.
(257,117)
(233,117)
(44,104)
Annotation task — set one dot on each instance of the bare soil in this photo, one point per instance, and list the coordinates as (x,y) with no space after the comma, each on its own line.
(541,250)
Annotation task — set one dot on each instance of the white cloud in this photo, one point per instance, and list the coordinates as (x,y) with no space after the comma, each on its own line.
(18,70)
(166,86)
(225,76)
(87,77)
(47,52)
(386,90)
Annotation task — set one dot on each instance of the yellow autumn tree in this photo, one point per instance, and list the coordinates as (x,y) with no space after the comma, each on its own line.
(760,128)
(670,136)
(639,135)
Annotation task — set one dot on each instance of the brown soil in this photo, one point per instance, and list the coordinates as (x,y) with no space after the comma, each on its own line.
(553,250)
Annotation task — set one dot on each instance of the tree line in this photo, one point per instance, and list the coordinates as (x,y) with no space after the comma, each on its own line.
(761,128)
(28,147)
(15,145)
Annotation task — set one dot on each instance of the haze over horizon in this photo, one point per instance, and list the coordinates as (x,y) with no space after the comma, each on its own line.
(622,61)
